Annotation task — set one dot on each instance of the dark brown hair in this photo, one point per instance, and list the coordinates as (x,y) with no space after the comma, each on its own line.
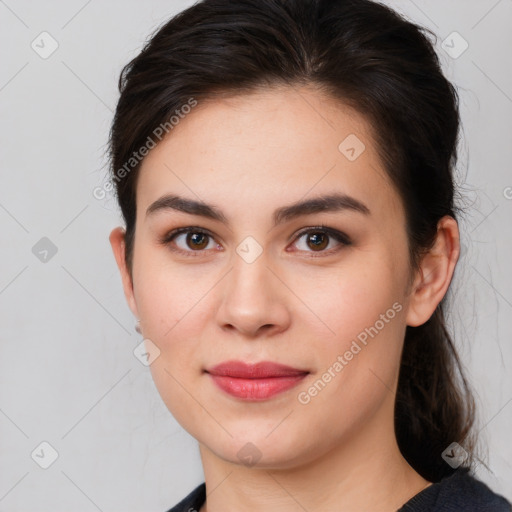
(369,57)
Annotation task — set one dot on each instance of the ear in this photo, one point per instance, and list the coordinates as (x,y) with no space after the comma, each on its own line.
(117,241)
(435,274)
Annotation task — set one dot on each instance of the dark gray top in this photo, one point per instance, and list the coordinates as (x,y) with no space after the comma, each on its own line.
(456,493)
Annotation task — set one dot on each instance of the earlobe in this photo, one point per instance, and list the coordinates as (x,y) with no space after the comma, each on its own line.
(117,241)
(435,273)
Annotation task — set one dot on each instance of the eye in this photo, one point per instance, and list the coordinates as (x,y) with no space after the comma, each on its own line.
(319,238)
(192,240)
(195,240)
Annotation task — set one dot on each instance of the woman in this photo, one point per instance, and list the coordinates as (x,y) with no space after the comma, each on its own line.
(284,170)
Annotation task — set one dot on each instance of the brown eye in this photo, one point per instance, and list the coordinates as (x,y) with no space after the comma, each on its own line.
(196,240)
(318,240)
(189,241)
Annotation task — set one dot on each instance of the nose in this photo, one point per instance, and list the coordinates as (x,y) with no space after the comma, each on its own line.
(254,301)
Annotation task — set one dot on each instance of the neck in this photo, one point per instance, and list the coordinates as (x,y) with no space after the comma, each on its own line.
(366,472)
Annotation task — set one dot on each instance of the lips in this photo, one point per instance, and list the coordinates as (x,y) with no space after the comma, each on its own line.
(259,381)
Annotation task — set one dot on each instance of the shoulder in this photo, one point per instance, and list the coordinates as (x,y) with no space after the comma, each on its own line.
(459,491)
(192,502)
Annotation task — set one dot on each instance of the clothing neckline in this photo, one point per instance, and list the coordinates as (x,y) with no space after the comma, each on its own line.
(448,494)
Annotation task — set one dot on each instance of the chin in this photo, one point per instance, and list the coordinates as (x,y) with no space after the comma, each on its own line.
(259,449)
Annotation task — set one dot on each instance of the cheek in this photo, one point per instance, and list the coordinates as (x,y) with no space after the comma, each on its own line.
(357,366)
(345,301)
(169,295)
(358,359)
(173,304)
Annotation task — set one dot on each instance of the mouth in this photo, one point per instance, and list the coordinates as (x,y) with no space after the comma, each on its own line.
(255,382)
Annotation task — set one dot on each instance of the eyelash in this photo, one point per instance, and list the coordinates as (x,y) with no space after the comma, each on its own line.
(340,237)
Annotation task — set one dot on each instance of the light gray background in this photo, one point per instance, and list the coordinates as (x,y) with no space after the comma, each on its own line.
(68,375)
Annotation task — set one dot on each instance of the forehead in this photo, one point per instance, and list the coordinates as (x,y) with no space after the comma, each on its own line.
(266,149)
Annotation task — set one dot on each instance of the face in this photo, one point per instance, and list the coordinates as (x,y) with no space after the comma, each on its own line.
(321,290)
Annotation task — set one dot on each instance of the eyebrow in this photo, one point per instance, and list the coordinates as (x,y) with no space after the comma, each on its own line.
(326,203)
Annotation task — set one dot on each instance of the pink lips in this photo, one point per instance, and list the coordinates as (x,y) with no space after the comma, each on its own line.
(258,381)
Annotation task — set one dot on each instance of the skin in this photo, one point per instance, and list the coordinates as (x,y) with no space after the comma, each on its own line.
(295,304)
